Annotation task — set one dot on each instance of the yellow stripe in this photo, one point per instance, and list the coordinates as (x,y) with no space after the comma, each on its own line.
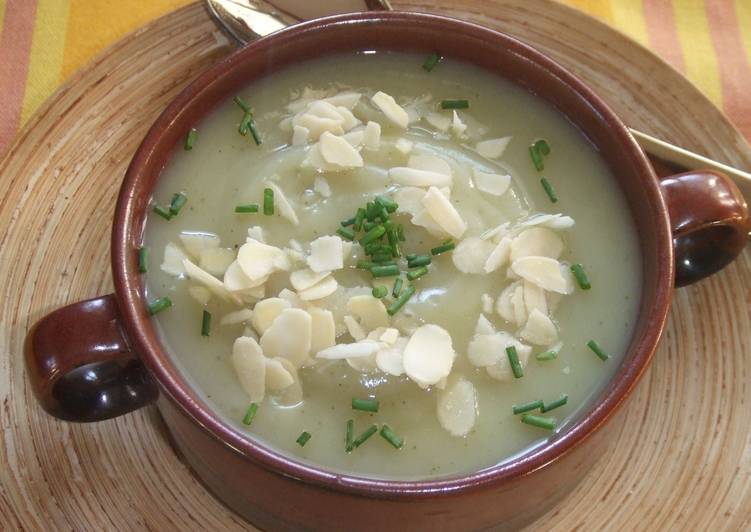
(628,16)
(46,56)
(698,51)
(597,8)
(95,24)
(743,12)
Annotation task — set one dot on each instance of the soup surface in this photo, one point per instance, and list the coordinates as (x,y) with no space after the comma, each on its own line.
(446,384)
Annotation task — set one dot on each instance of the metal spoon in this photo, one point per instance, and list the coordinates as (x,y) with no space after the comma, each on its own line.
(246,20)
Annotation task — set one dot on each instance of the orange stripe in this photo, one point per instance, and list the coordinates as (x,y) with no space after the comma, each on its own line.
(15,45)
(735,72)
(663,35)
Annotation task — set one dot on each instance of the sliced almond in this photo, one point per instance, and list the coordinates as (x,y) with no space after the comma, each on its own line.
(539,329)
(391,109)
(291,297)
(492,148)
(536,242)
(484,326)
(365,348)
(302,279)
(390,359)
(520,308)
(266,311)
(430,163)
(409,199)
(485,349)
(194,242)
(457,407)
(404,146)
(418,178)
(324,109)
(471,254)
(499,256)
(496,233)
(288,336)
(494,184)
(216,260)
(248,361)
(199,293)
(300,135)
(209,281)
(534,298)
(323,329)
(321,185)
(355,138)
(552,221)
(336,150)
(239,316)
(173,259)
(277,376)
(372,136)
(326,254)
(319,291)
(429,355)
(292,394)
(255,232)
(258,260)
(389,335)
(370,311)
(443,212)
(503,305)
(486,303)
(439,121)
(501,370)
(458,127)
(282,204)
(542,271)
(424,219)
(354,328)
(363,364)
(235,279)
(350,120)
(346,99)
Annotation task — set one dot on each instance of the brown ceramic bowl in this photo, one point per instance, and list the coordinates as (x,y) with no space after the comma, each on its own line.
(102,358)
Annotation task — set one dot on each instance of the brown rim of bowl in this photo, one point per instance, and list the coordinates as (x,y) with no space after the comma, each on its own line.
(126,238)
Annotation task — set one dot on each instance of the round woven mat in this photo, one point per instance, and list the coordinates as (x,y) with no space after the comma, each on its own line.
(682,459)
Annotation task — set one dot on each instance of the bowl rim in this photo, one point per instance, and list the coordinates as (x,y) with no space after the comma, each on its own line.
(126,238)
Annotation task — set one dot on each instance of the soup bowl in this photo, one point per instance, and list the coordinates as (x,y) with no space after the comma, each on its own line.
(102,358)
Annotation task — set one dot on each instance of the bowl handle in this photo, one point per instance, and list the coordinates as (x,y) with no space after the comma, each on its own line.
(710,222)
(81,366)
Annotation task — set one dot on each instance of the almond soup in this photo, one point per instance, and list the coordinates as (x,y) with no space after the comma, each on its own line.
(391,266)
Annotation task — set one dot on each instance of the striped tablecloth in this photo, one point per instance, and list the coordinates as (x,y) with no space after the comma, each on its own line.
(44,41)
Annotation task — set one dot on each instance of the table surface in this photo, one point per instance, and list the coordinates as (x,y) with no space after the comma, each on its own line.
(682,456)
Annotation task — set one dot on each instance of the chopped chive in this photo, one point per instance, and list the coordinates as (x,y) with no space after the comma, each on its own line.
(347,222)
(206,323)
(513,359)
(548,188)
(385,270)
(419,260)
(594,346)
(416,274)
(190,139)
(431,61)
(380,292)
(547,407)
(366,405)
(374,234)
(245,124)
(443,248)
(346,233)
(359,218)
(411,256)
(178,202)
(386,203)
(383,214)
(367,226)
(381,257)
(249,208)
(539,421)
(526,407)
(400,301)
(254,132)
(394,242)
(371,211)
(400,232)
(542,147)
(158,305)
(397,287)
(455,104)
(303,438)
(547,355)
(250,414)
(268,201)
(241,103)
(362,438)
(581,276)
(143,260)
(364,264)
(349,442)
(163,212)
(536,158)
(391,437)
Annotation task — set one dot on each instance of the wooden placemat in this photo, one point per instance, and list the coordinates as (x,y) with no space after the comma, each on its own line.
(683,453)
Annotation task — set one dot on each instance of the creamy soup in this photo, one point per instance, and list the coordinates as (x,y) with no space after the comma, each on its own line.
(272,310)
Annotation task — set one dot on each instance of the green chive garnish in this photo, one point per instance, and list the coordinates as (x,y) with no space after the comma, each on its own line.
(346,233)
(594,346)
(536,158)
(539,421)
(372,211)
(143,260)
(366,405)
(394,242)
(380,291)
(386,203)
(158,305)
(367,226)
(206,323)
(455,104)
(249,208)
(431,61)
(419,260)
(391,437)
(400,301)
(381,257)
(547,355)
(164,213)
(386,270)
(513,359)
(581,276)
(411,256)
(241,103)
(347,222)
(397,287)
(254,132)
(268,201)
(416,274)
(526,407)
(443,248)
(362,438)
(374,234)
(364,264)
(245,124)
(250,414)
(542,146)
(547,407)
(548,188)
(190,139)
(303,438)
(178,202)
(359,218)
(400,232)
(349,435)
